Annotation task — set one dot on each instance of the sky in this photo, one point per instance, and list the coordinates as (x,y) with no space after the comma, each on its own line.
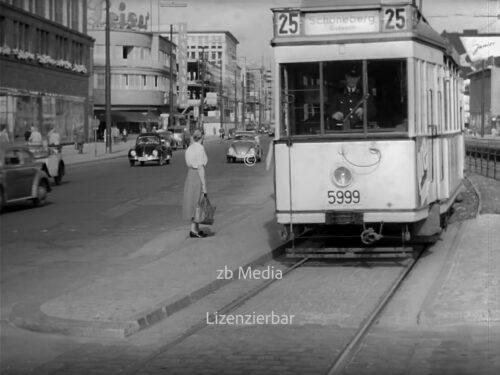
(250,21)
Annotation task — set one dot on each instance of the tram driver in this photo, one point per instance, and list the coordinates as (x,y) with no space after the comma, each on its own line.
(349,103)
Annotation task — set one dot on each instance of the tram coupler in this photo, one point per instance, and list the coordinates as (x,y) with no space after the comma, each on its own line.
(369,236)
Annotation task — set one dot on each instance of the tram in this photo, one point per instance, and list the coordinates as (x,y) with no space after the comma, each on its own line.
(392,157)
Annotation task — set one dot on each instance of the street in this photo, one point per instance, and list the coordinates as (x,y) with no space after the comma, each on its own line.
(93,226)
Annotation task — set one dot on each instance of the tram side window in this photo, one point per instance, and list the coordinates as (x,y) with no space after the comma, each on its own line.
(387,80)
(302,98)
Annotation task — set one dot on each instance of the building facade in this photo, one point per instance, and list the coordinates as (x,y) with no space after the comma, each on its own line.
(212,55)
(140,78)
(142,65)
(45,65)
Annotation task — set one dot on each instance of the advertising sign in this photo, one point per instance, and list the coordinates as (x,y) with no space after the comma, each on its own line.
(182,78)
(481,47)
(129,15)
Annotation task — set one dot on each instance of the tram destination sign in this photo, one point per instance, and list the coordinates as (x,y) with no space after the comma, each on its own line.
(341,22)
(387,19)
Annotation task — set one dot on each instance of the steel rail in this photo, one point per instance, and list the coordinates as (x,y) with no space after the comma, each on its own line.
(140,364)
(348,352)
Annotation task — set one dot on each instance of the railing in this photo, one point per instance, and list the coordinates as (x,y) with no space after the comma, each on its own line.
(483,157)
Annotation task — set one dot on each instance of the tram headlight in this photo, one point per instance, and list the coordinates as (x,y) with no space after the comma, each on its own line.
(342,177)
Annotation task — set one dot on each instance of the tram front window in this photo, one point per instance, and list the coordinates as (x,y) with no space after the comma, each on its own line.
(330,97)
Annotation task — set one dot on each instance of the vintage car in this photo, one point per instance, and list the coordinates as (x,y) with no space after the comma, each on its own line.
(21,177)
(150,147)
(181,137)
(244,147)
(51,161)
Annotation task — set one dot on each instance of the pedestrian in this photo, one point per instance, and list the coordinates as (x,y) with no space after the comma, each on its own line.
(35,137)
(124,135)
(345,102)
(4,135)
(80,140)
(54,138)
(195,183)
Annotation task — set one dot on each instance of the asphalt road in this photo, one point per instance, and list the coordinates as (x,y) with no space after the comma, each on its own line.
(100,215)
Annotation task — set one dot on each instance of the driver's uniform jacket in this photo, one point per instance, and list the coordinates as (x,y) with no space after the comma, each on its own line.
(345,101)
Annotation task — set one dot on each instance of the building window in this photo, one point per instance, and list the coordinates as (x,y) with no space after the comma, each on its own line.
(126,51)
(2,31)
(58,11)
(144,81)
(125,79)
(101,80)
(156,81)
(40,8)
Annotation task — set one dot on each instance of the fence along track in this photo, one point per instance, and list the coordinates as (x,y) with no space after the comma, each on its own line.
(483,157)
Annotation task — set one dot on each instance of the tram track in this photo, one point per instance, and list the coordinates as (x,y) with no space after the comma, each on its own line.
(138,365)
(352,346)
(338,362)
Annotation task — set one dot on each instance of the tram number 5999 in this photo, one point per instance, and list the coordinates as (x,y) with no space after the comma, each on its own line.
(288,23)
(343,196)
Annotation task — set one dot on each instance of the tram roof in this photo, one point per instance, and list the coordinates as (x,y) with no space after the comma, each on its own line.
(421,30)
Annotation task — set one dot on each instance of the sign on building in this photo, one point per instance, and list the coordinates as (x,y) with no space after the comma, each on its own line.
(182,78)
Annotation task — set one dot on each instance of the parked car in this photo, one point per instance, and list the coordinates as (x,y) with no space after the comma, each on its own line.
(51,161)
(182,138)
(21,177)
(244,146)
(150,147)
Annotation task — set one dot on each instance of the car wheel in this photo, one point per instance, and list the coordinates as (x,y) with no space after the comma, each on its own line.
(229,160)
(167,161)
(132,162)
(60,174)
(41,195)
(1,200)
(142,163)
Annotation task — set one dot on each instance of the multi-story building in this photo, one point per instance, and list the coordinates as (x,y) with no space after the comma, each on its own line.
(213,55)
(140,69)
(45,62)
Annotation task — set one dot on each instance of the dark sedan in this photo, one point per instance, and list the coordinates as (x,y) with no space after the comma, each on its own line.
(150,147)
(21,177)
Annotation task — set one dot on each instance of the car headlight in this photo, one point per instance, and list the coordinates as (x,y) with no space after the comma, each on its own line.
(231,151)
(133,153)
(155,153)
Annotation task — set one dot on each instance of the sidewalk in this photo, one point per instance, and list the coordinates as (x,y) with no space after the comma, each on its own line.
(118,306)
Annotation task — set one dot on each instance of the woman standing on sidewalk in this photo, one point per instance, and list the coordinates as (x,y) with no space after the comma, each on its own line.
(195,184)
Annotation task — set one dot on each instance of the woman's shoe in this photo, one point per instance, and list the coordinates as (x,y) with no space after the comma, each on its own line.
(197,235)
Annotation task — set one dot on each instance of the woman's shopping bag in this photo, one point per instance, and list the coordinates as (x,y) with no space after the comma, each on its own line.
(205,211)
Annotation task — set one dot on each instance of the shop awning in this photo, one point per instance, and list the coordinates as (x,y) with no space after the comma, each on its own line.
(130,116)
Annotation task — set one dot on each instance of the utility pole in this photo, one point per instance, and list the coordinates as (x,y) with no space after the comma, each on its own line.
(202,94)
(221,106)
(171,88)
(235,98)
(107,73)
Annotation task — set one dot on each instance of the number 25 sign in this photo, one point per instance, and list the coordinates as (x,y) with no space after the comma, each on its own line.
(287,23)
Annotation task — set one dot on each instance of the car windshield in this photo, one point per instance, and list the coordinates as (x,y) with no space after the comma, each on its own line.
(147,140)
(244,137)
